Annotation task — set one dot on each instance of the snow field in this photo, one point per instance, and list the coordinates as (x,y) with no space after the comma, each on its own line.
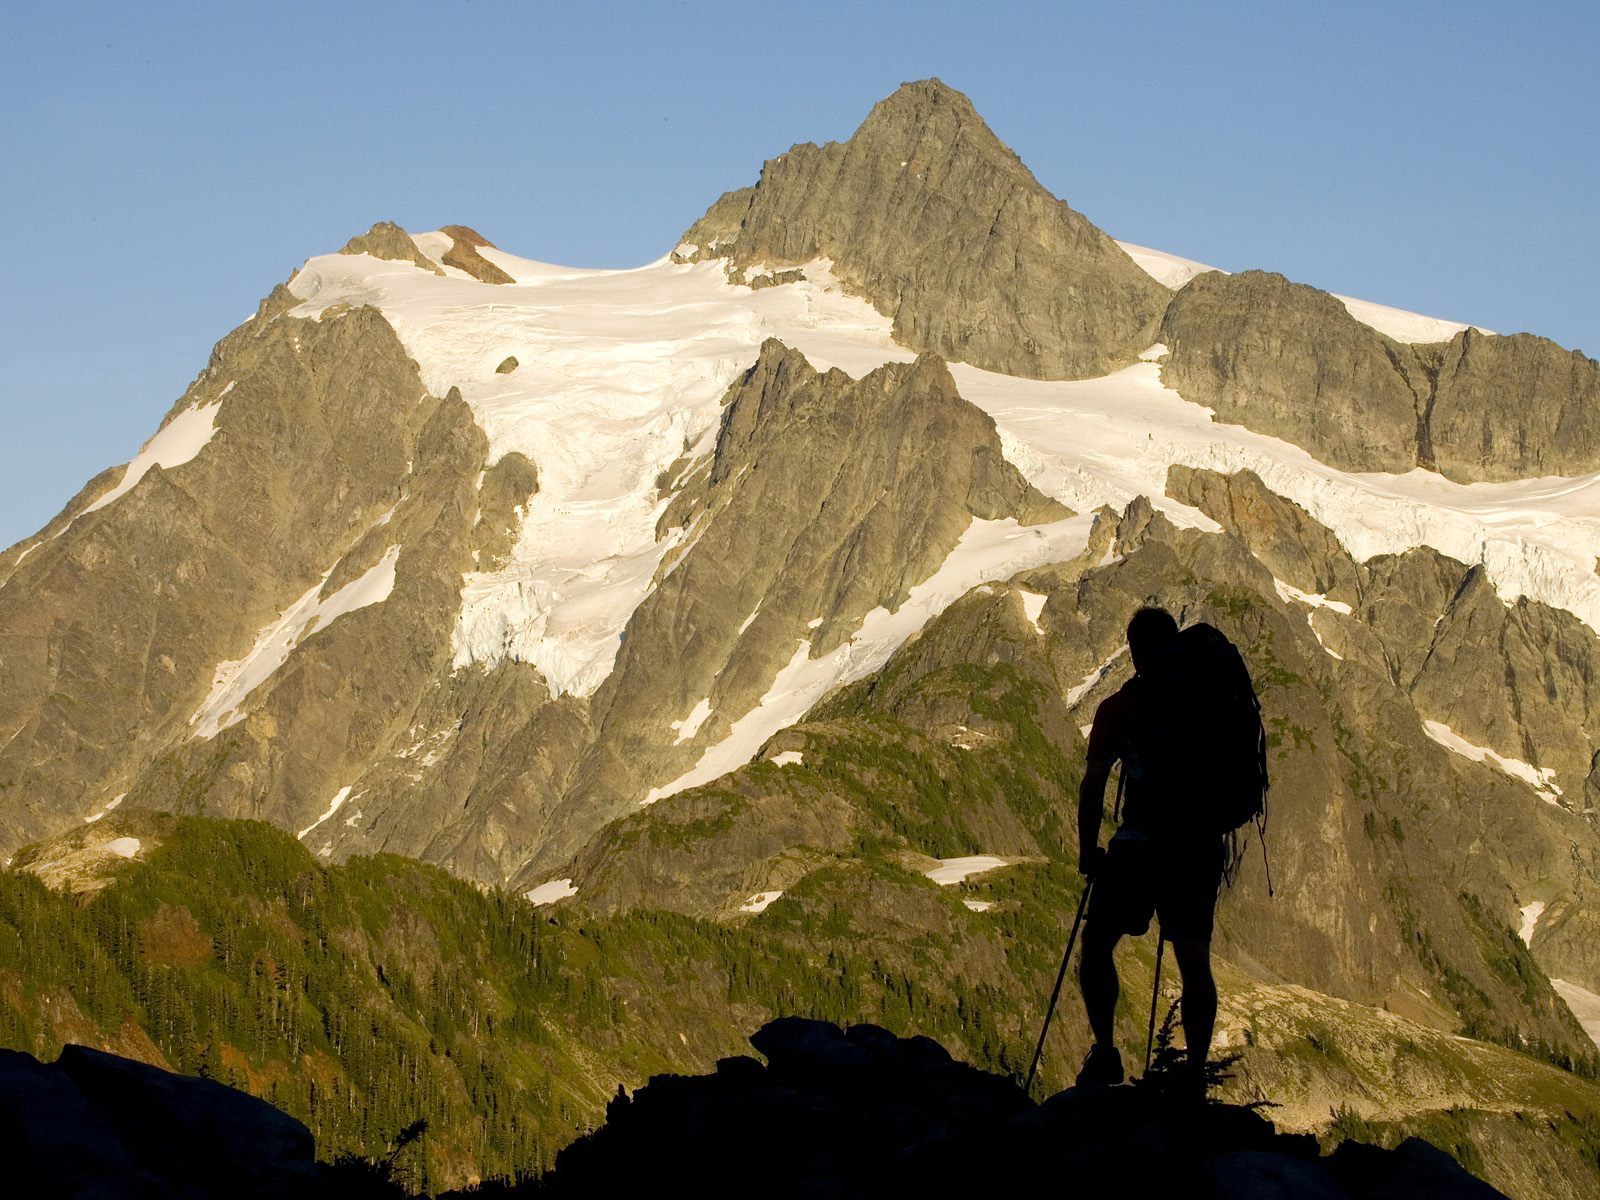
(759,902)
(622,377)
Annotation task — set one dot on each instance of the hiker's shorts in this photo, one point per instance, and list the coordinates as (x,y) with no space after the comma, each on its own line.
(1175,881)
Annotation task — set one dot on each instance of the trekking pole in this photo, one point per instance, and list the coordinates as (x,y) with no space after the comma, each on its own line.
(1061,975)
(1155,990)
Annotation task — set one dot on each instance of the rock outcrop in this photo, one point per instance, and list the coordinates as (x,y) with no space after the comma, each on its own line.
(93,1124)
(860,1112)
(1288,360)
(388,240)
(940,226)
(1510,407)
(463,255)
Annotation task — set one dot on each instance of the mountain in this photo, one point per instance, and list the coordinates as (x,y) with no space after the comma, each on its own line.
(762,595)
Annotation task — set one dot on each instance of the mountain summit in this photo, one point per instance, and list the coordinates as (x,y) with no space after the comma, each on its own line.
(927,214)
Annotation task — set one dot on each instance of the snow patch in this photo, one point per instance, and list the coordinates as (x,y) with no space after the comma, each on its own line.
(549,893)
(122,847)
(1585,1005)
(1314,599)
(987,550)
(174,444)
(1081,689)
(234,681)
(1032,606)
(787,758)
(1541,780)
(1530,919)
(115,800)
(690,725)
(759,902)
(979,905)
(1168,270)
(1401,325)
(953,870)
(334,805)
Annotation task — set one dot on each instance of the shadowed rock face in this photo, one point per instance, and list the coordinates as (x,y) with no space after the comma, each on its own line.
(865,1113)
(941,227)
(93,1124)
(1289,360)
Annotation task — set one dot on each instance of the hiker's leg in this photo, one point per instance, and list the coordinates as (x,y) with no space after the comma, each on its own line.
(1199,1005)
(1097,977)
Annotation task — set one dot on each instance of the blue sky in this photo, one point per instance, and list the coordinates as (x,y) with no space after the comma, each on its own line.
(167,164)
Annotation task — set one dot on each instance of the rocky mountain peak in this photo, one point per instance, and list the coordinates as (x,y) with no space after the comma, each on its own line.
(931,218)
(928,110)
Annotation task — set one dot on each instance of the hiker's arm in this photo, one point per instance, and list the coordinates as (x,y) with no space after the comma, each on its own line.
(1091,809)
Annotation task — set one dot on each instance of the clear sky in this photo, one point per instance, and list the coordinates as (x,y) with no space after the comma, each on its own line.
(166,164)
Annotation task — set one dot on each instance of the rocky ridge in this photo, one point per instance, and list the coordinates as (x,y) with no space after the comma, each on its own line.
(1288,360)
(858,1112)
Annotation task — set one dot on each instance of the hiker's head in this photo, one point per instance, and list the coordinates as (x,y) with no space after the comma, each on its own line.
(1151,632)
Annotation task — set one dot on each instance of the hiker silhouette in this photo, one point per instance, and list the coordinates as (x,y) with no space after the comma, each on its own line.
(1187,732)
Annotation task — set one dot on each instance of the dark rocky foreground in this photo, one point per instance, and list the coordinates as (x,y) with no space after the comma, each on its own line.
(865,1113)
(91,1124)
(830,1114)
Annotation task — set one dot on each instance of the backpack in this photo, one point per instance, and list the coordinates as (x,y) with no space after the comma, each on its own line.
(1202,740)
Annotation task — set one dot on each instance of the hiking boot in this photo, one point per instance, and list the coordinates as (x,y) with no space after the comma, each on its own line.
(1102,1067)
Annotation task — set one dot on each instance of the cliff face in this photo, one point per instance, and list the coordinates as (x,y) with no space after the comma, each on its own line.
(1289,360)
(940,226)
